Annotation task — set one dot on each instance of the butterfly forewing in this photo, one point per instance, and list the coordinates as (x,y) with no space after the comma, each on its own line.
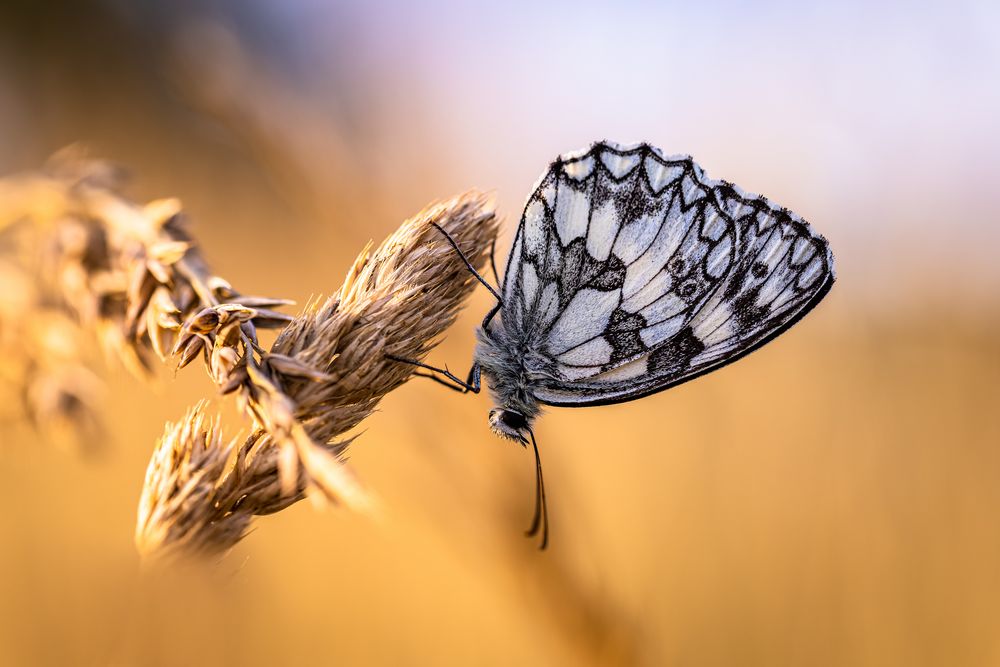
(631,272)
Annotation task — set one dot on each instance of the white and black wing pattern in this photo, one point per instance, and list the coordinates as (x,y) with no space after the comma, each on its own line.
(632,272)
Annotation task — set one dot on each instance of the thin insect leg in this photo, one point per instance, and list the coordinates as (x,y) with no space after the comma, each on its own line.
(444,383)
(489,317)
(472,383)
(493,261)
(541,519)
(468,264)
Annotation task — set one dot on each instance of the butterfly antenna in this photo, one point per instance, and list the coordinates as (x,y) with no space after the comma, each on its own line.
(541,519)
(468,264)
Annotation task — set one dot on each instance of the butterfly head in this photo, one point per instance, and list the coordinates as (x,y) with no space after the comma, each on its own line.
(510,424)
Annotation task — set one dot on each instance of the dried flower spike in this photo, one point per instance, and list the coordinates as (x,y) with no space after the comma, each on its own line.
(135,276)
(325,373)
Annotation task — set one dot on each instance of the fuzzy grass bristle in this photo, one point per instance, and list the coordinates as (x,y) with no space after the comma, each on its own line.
(134,275)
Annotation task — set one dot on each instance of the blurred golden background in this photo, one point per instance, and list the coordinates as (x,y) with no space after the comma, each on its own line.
(830,500)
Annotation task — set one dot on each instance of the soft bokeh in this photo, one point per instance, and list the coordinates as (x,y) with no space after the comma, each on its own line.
(830,500)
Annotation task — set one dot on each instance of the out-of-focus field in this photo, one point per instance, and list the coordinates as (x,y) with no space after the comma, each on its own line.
(830,500)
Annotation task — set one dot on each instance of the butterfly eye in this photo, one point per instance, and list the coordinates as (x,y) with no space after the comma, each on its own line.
(677,265)
(513,419)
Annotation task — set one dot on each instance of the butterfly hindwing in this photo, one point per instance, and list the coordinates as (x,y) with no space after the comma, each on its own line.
(631,272)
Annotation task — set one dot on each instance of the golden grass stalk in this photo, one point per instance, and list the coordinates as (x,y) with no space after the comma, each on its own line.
(397,300)
(135,275)
(190,498)
(201,491)
(43,377)
(324,374)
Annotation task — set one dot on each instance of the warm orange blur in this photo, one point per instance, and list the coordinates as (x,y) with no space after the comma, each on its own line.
(830,500)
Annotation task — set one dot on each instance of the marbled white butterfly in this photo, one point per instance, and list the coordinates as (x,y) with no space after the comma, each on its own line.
(632,272)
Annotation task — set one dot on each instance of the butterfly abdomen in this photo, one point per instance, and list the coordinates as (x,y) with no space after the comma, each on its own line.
(509,366)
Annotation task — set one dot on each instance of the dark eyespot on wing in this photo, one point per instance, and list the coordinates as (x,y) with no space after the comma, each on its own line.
(688,288)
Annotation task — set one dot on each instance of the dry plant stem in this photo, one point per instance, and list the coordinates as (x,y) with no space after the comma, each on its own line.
(202,492)
(187,506)
(397,300)
(43,377)
(329,367)
(134,274)
(324,374)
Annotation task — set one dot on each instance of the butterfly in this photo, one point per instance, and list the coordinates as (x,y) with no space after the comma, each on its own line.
(632,272)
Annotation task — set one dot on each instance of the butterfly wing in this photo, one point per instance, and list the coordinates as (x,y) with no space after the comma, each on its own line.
(633,272)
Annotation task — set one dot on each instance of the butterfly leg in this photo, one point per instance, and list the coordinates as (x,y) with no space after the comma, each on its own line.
(472,382)
(493,260)
(489,317)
